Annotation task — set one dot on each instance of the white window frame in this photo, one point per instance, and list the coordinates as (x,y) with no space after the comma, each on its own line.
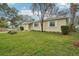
(34,25)
(49,23)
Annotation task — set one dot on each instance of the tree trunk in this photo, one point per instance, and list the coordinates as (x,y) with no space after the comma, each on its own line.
(42,24)
(73,18)
(73,11)
(72,26)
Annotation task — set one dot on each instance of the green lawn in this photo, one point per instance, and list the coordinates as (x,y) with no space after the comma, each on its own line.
(38,44)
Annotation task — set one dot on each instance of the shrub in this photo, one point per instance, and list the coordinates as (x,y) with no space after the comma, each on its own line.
(65,30)
(21,28)
(12,32)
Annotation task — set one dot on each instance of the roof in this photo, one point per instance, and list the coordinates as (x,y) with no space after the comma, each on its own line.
(54,18)
(50,19)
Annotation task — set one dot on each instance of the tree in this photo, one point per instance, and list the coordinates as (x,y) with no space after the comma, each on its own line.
(10,12)
(42,9)
(2,23)
(73,11)
(4,8)
(56,8)
(7,10)
(76,15)
(14,20)
(2,18)
(73,8)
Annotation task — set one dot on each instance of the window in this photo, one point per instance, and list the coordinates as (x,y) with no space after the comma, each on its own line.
(36,24)
(52,23)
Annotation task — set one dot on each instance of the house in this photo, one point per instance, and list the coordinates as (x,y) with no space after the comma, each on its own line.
(51,24)
(25,20)
(26,25)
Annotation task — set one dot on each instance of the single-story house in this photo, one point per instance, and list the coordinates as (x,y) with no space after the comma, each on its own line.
(50,25)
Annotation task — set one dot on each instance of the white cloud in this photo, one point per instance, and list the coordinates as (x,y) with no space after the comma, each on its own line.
(26,12)
(29,13)
(11,3)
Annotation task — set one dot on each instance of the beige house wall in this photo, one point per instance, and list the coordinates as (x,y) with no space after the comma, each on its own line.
(38,28)
(26,27)
(46,27)
(56,28)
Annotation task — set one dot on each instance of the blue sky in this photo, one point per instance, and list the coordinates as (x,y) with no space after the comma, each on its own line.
(20,6)
(24,8)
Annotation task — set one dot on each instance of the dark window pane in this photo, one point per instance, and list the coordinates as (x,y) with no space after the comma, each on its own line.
(36,24)
(52,23)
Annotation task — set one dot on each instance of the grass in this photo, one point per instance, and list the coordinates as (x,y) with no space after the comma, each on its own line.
(38,44)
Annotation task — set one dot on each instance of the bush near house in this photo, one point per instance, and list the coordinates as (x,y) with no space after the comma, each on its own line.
(21,28)
(12,32)
(65,30)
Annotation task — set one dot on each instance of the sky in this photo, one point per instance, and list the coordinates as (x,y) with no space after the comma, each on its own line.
(20,6)
(25,8)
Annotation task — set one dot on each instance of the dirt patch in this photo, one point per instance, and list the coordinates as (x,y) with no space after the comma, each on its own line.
(75,43)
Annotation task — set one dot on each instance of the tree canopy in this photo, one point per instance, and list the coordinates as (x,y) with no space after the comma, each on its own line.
(9,13)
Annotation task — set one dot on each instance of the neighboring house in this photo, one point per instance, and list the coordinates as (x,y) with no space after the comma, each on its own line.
(50,25)
(26,25)
(25,19)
